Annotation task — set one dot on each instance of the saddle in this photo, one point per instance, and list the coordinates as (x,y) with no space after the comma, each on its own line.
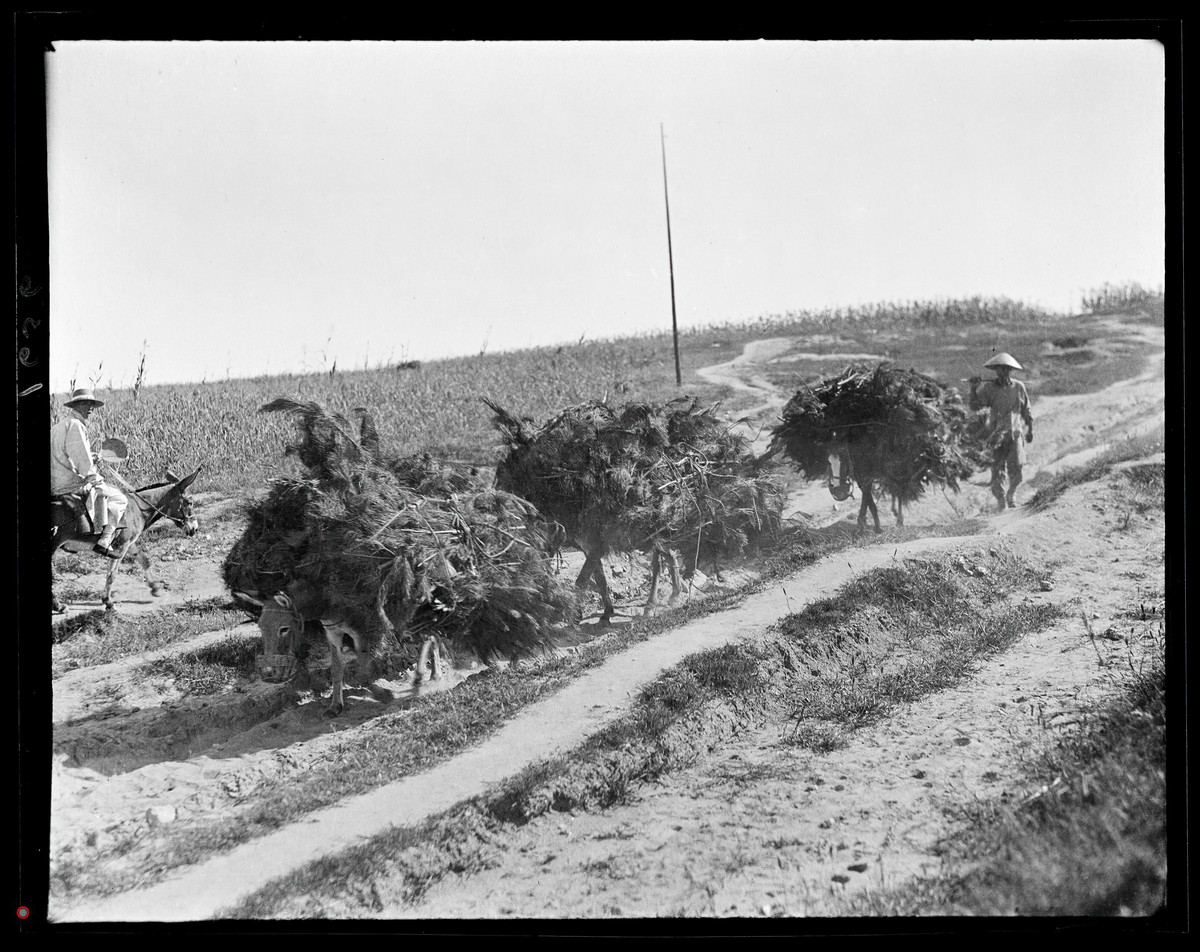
(85,506)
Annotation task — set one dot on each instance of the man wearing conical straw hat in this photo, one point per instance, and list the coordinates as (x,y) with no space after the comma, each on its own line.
(1010,424)
(73,469)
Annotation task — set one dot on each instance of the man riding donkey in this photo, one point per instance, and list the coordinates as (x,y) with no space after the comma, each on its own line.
(1007,403)
(73,471)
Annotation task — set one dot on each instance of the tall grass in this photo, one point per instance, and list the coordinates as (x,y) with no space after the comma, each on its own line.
(1115,298)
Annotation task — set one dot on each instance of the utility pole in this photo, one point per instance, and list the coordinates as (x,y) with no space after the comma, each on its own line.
(670,259)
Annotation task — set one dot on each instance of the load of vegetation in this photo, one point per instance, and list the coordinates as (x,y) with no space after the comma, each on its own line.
(641,475)
(410,546)
(904,429)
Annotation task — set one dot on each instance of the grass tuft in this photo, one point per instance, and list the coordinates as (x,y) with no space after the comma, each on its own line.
(209,670)
(1090,837)
(1136,447)
(899,633)
(101,637)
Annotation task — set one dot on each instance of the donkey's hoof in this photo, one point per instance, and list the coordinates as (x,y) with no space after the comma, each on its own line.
(58,608)
(333,710)
(649,611)
(157,590)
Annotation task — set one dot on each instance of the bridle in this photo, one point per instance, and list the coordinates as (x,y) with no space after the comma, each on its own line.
(146,504)
(282,662)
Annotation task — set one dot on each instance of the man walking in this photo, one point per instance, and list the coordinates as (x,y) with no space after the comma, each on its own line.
(1010,424)
(73,469)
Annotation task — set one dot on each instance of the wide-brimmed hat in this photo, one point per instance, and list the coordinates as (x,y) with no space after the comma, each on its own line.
(83,395)
(1003,359)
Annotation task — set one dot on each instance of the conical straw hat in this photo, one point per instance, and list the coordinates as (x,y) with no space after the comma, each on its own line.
(1004,359)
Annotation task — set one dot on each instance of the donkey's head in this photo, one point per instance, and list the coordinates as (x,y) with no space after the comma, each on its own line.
(177,507)
(282,627)
(282,622)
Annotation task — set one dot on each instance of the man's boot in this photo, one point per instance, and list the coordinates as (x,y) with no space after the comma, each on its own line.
(1012,502)
(103,545)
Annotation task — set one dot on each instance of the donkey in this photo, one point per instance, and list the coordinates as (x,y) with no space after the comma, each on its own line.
(295,620)
(865,461)
(71,530)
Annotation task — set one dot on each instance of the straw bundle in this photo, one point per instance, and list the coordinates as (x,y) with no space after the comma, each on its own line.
(401,544)
(639,476)
(905,429)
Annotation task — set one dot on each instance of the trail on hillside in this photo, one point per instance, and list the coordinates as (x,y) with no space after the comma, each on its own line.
(125,765)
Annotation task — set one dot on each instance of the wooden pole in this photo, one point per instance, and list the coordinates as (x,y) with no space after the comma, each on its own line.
(670,259)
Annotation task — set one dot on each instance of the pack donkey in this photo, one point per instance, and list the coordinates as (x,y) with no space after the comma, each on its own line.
(864,460)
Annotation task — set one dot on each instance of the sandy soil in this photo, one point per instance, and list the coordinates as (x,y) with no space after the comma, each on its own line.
(761,828)
(758,828)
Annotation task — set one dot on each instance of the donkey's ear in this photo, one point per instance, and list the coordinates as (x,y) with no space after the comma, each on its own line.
(181,485)
(247,597)
(284,600)
(172,477)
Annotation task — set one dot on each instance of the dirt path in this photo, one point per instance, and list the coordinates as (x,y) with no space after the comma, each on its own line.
(633,860)
(740,376)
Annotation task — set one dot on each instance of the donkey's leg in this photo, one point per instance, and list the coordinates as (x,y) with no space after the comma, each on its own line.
(111,576)
(655,572)
(302,680)
(337,670)
(440,661)
(419,677)
(676,584)
(898,509)
(593,568)
(55,605)
(602,585)
(585,573)
(868,503)
(157,586)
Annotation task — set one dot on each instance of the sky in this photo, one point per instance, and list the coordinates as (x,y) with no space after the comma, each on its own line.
(233,209)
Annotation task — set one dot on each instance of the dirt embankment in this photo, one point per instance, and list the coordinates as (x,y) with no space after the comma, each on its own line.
(755,827)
